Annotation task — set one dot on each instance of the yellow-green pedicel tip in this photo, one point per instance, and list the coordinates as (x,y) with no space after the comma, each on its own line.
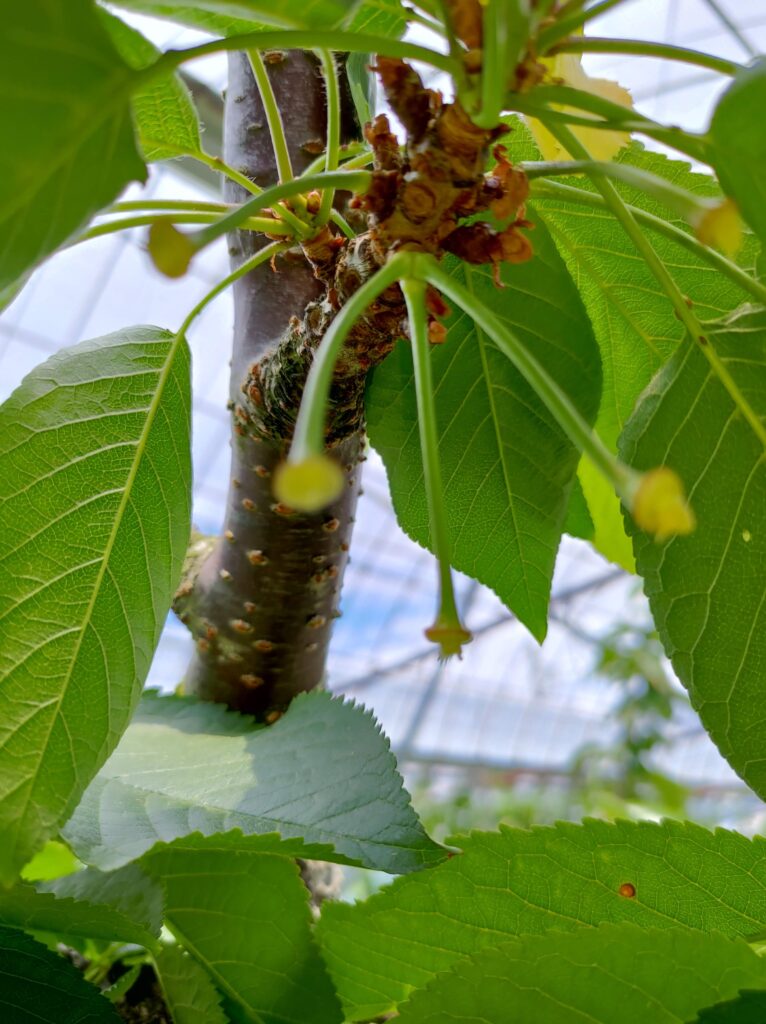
(170,249)
(451,637)
(721,228)
(660,506)
(309,485)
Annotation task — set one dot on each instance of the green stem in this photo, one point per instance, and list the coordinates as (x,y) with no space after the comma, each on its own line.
(352,181)
(285,213)
(308,437)
(567,23)
(414,295)
(184,205)
(554,190)
(415,291)
(273,116)
(620,476)
(260,224)
(330,73)
(363,159)
(493,73)
(256,260)
(278,140)
(309,39)
(340,221)
(642,48)
(684,204)
(215,163)
(356,149)
(618,208)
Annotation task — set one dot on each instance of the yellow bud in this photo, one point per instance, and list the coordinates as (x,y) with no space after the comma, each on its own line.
(660,506)
(602,145)
(309,485)
(449,636)
(721,228)
(170,249)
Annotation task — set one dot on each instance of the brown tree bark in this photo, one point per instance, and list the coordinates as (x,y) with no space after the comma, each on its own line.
(262,602)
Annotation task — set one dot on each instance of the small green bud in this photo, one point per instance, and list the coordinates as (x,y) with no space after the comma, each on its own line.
(309,485)
(720,227)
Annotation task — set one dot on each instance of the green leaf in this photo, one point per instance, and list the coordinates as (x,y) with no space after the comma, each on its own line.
(185,766)
(54,860)
(94,522)
(608,974)
(25,907)
(707,591)
(508,469)
(235,17)
(361,83)
(579,522)
(166,120)
(65,116)
(749,1008)
(189,991)
(209,18)
(129,891)
(287,14)
(739,143)
(515,881)
(41,987)
(245,918)
(384,18)
(634,321)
